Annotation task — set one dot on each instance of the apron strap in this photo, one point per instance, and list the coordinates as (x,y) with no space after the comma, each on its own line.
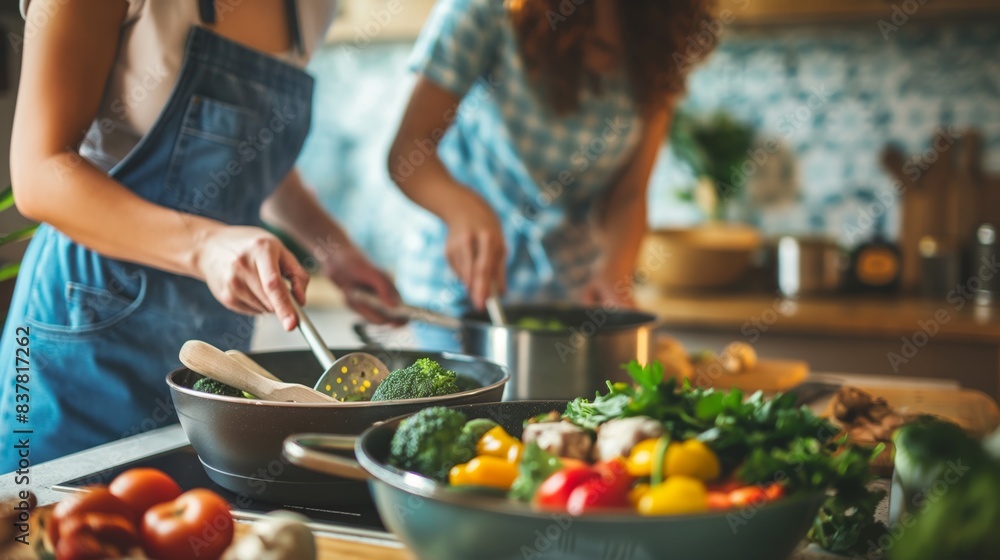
(206,11)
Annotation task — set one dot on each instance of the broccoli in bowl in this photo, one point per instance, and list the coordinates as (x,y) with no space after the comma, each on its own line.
(424,378)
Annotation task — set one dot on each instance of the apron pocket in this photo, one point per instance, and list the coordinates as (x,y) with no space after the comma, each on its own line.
(212,171)
(90,311)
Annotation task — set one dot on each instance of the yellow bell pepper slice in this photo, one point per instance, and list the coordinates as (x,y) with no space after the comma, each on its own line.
(498,443)
(494,472)
(678,495)
(692,458)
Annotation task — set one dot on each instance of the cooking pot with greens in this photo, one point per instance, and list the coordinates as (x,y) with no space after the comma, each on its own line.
(552,351)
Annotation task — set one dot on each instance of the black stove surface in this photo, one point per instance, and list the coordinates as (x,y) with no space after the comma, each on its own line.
(182,465)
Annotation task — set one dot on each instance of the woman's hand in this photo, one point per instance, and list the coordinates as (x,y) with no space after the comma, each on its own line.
(351,270)
(608,291)
(476,250)
(246,267)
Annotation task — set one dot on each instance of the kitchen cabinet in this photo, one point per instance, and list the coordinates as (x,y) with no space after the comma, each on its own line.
(895,12)
(362,22)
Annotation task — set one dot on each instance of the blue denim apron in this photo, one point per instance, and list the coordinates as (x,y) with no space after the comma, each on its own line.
(104,333)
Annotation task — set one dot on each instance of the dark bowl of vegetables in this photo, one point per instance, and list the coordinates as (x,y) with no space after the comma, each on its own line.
(645,471)
(238,438)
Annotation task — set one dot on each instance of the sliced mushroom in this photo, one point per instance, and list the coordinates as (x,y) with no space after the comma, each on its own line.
(616,438)
(559,438)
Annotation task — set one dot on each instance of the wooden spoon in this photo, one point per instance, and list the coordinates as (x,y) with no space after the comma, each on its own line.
(203,358)
(252,365)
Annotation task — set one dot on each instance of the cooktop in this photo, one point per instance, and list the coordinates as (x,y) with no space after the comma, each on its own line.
(182,465)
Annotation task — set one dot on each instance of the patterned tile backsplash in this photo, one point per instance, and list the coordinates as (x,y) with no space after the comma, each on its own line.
(830,97)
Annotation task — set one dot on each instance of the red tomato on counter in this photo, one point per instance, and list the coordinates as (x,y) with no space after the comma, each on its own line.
(96,536)
(197,524)
(144,488)
(95,500)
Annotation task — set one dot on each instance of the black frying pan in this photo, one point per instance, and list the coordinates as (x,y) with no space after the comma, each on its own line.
(239,441)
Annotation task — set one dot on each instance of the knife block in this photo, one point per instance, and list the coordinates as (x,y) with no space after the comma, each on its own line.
(945,194)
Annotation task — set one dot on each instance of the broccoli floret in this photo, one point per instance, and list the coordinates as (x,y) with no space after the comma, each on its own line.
(427,443)
(209,385)
(425,378)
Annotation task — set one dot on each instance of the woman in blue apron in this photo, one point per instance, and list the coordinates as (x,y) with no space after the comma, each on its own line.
(554,113)
(142,251)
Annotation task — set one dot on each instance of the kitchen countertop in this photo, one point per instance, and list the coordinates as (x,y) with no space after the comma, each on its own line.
(334,320)
(885,316)
(45,475)
(332,547)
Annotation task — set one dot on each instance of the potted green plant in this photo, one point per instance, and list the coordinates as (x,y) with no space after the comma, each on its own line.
(10,268)
(716,253)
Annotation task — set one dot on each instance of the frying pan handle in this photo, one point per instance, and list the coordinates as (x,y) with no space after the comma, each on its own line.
(366,338)
(305,450)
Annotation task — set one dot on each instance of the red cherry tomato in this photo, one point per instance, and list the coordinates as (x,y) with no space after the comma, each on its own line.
(555,490)
(774,491)
(615,475)
(719,501)
(197,525)
(597,494)
(747,496)
(142,489)
(96,500)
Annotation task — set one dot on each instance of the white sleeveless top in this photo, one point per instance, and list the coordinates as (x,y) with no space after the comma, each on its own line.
(150,53)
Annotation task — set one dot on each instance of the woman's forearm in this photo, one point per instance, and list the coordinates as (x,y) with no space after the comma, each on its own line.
(99,213)
(624,227)
(430,184)
(624,217)
(414,164)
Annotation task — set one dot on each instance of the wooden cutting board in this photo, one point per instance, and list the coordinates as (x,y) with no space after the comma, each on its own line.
(770,376)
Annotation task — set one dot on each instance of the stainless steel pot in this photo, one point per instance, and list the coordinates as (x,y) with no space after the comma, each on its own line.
(557,364)
(808,266)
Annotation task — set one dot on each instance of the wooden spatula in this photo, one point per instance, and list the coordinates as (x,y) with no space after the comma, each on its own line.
(211,362)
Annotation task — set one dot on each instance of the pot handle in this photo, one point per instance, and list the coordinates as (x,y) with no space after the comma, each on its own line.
(366,338)
(304,450)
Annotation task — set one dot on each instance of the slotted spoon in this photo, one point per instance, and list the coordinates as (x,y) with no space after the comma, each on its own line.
(353,376)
